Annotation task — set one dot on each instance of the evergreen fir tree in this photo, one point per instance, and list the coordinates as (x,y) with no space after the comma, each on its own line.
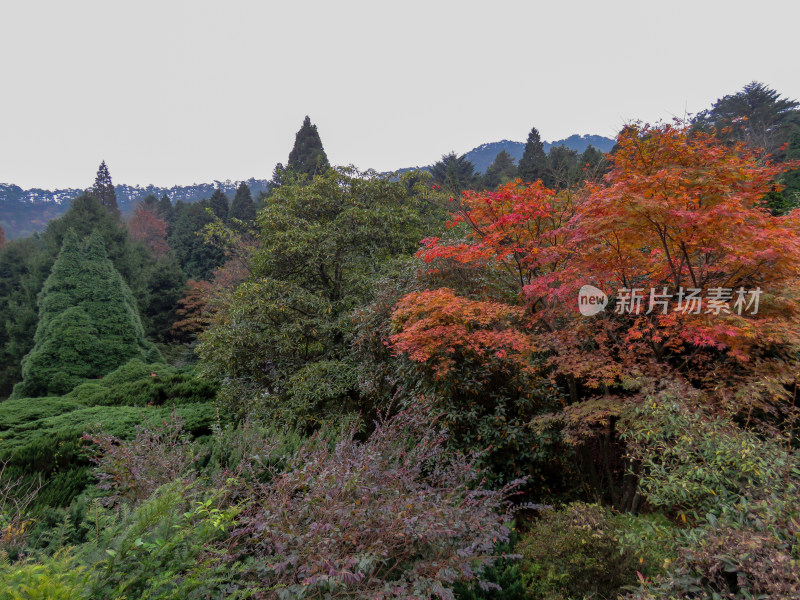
(308,156)
(792,179)
(165,208)
(2,237)
(104,191)
(454,173)
(243,207)
(533,164)
(88,322)
(502,170)
(219,204)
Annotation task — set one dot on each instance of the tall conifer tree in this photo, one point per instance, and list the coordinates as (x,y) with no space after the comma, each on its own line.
(219,204)
(533,164)
(104,191)
(308,156)
(88,322)
(243,207)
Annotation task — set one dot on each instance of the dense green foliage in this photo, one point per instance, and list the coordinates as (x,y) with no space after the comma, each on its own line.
(103,190)
(359,422)
(454,173)
(307,157)
(197,259)
(242,207)
(88,322)
(288,328)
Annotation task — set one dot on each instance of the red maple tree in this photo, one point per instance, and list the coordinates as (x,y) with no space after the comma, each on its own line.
(678,211)
(149,229)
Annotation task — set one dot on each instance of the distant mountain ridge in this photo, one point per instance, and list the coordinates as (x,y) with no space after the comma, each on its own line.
(23,212)
(484,155)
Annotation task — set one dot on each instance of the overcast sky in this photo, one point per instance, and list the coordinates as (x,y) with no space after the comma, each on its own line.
(176,92)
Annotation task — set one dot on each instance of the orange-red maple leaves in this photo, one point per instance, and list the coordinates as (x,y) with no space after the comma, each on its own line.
(677,211)
(437,326)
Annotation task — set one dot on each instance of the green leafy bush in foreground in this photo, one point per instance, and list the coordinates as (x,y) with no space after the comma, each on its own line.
(576,552)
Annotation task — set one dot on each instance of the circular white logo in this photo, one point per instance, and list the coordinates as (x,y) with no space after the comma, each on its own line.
(591,300)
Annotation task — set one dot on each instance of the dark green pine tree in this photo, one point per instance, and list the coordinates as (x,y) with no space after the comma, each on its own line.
(502,170)
(219,204)
(198,259)
(592,164)
(454,173)
(533,164)
(104,191)
(88,322)
(308,157)
(758,116)
(792,179)
(243,207)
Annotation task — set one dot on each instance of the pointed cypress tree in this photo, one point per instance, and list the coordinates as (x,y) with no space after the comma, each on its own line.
(308,156)
(104,191)
(165,209)
(500,171)
(88,322)
(533,164)
(243,207)
(219,204)
(454,173)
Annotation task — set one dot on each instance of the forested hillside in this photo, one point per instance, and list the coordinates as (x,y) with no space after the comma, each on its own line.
(23,212)
(558,373)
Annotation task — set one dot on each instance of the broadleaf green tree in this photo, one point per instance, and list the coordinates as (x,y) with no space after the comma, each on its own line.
(287,330)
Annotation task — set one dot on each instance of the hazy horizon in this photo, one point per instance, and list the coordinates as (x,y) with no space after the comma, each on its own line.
(174,93)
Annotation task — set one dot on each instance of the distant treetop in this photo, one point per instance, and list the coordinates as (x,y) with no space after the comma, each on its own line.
(308,156)
(103,189)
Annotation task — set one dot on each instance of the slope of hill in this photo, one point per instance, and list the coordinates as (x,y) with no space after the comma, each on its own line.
(484,155)
(23,212)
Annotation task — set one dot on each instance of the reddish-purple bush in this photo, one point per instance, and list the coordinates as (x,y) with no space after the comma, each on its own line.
(132,470)
(394,516)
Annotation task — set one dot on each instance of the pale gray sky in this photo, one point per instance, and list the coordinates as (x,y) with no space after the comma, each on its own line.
(175,92)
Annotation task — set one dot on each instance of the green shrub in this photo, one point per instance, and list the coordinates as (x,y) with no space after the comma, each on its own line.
(140,384)
(735,490)
(576,552)
(51,446)
(57,578)
(164,549)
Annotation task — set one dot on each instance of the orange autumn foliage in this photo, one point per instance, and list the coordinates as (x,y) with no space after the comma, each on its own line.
(677,210)
(438,327)
(147,228)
